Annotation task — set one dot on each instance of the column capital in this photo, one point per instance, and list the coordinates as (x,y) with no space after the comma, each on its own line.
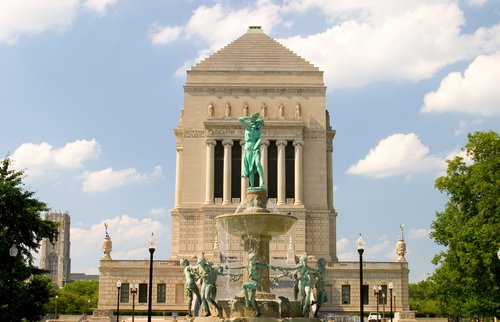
(227,142)
(298,143)
(265,142)
(242,142)
(281,143)
(211,142)
(179,148)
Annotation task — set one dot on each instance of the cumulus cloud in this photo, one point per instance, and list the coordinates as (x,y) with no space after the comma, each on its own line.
(474,92)
(160,212)
(398,154)
(99,6)
(367,41)
(419,233)
(164,35)
(106,179)
(38,159)
(86,242)
(31,17)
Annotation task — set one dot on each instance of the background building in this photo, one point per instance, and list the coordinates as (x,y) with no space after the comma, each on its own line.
(55,256)
(254,74)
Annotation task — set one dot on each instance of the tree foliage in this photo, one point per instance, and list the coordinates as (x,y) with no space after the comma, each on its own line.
(23,288)
(77,297)
(423,300)
(467,281)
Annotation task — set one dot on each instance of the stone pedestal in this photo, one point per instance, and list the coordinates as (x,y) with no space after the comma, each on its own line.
(256,201)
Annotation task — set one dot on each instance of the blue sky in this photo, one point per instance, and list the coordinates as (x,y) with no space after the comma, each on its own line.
(91,90)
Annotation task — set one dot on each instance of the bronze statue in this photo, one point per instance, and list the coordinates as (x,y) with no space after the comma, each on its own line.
(190,272)
(253,285)
(321,296)
(208,273)
(251,162)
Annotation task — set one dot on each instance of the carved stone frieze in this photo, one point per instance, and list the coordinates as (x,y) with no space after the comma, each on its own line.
(238,91)
(315,134)
(194,134)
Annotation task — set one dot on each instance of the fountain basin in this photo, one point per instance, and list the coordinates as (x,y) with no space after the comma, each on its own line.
(256,224)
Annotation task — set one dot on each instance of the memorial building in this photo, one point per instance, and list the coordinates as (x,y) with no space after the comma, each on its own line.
(254,74)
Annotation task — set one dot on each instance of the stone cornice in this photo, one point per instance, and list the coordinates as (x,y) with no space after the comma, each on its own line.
(255,90)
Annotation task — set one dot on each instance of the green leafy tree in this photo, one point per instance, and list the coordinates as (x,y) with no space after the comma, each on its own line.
(77,297)
(422,299)
(23,288)
(467,279)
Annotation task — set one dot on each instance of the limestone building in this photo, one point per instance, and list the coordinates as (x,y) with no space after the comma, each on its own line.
(254,74)
(55,256)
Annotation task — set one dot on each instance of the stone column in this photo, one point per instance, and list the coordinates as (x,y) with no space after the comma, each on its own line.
(226,188)
(209,172)
(299,180)
(178,176)
(244,181)
(329,176)
(281,172)
(264,144)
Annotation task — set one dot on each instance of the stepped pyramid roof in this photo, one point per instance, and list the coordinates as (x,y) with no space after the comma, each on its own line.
(255,52)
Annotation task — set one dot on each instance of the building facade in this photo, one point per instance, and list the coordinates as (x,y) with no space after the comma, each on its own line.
(55,256)
(255,74)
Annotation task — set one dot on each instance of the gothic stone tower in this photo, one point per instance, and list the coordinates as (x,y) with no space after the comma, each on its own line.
(254,74)
(55,257)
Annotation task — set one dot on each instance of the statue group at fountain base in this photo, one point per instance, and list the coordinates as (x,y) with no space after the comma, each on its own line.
(300,273)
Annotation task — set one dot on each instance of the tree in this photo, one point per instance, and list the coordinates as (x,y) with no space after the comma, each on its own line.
(23,289)
(467,279)
(77,297)
(422,299)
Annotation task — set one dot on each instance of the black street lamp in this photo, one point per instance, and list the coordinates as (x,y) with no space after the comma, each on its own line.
(55,311)
(118,287)
(376,291)
(383,306)
(133,291)
(360,244)
(391,287)
(151,246)
(13,253)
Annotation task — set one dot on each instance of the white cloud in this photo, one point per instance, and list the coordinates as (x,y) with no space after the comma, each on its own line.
(128,234)
(367,41)
(108,178)
(39,159)
(419,233)
(31,17)
(342,244)
(474,92)
(398,154)
(160,212)
(164,35)
(99,6)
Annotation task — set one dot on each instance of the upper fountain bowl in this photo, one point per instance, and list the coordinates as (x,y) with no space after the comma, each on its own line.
(256,223)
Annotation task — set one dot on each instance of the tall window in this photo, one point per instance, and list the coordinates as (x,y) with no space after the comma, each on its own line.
(290,170)
(236,170)
(346,294)
(161,292)
(124,293)
(53,266)
(383,298)
(365,294)
(143,293)
(272,170)
(218,169)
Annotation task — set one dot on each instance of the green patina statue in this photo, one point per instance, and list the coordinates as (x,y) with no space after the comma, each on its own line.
(253,285)
(208,273)
(302,271)
(321,296)
(251,161)
(191,274)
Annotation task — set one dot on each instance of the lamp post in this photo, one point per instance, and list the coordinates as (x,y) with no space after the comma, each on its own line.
(88,305)
(13,253)
(118,287)
(391,287)
(133,291)
(383,307)
(151,246)
(376,291)
(55,312)
(360,244)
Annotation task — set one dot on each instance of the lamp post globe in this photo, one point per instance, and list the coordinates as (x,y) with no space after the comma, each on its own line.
(118,287)
(360,245)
